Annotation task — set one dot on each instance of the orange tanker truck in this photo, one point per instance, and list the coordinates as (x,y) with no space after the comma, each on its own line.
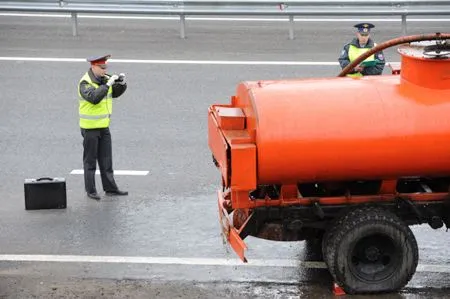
(352,162)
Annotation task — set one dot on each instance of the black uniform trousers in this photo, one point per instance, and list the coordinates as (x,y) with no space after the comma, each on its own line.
(98,146)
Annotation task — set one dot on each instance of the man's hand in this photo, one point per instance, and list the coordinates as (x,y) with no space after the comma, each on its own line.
(122,78)
(112,80)
(359,68)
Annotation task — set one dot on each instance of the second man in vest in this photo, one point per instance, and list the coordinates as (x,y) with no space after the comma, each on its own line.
(96,91)
(374,64)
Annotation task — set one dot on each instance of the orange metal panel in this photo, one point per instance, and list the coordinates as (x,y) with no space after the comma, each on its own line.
(218,146)
(230,118)
(289,191)
(243,164)
(388,187)
(238,244)
(229,232)
(240,199)
(237,136)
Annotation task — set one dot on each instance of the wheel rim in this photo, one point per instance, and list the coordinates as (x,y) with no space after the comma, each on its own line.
(374,258)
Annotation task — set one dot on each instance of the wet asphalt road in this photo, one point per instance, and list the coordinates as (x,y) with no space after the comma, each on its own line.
(159,125)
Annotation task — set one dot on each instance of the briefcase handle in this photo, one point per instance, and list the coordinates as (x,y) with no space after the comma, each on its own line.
(45,178)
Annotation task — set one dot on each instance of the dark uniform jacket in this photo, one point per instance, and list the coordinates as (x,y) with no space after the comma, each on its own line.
(368,70)
(95,95)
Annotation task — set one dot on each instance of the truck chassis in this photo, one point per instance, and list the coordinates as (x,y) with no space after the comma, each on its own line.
(366,241)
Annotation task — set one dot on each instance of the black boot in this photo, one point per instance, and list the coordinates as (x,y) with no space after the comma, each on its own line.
(94,195)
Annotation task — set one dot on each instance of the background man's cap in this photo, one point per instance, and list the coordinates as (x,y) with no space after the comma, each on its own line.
(364,28)
(98,60)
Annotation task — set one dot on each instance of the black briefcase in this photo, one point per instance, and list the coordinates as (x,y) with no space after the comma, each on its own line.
(45,193)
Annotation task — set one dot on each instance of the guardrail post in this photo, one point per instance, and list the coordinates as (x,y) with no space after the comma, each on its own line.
(404,25)
(182,26)
(291,27)
(74,24)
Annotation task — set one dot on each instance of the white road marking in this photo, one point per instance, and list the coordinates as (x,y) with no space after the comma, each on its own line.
(226,62)
(50,59)
(231,19)
(433,268)
(116,172)
(164,61)
(187,261)
(160,260)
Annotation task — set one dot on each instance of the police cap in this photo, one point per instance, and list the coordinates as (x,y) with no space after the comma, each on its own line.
(98,60)
(364,28)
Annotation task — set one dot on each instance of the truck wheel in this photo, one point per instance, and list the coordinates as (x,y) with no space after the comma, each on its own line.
(330,231)
(371,251)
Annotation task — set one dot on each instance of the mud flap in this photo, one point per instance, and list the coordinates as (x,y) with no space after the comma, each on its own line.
(229,233)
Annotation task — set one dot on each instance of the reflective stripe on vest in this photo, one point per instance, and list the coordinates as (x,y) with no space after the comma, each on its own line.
(94,116)
(354,52)
(84,116)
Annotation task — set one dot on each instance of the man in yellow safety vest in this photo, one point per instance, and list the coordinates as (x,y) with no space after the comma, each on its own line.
(374,64)
(96,91)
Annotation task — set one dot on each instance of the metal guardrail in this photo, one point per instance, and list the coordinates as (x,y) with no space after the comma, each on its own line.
(287,8)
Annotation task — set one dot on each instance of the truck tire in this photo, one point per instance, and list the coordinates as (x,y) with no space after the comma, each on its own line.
(371,251)
(330,231)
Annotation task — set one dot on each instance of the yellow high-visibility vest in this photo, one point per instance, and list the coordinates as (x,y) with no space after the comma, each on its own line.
(94,116)
(353,53)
